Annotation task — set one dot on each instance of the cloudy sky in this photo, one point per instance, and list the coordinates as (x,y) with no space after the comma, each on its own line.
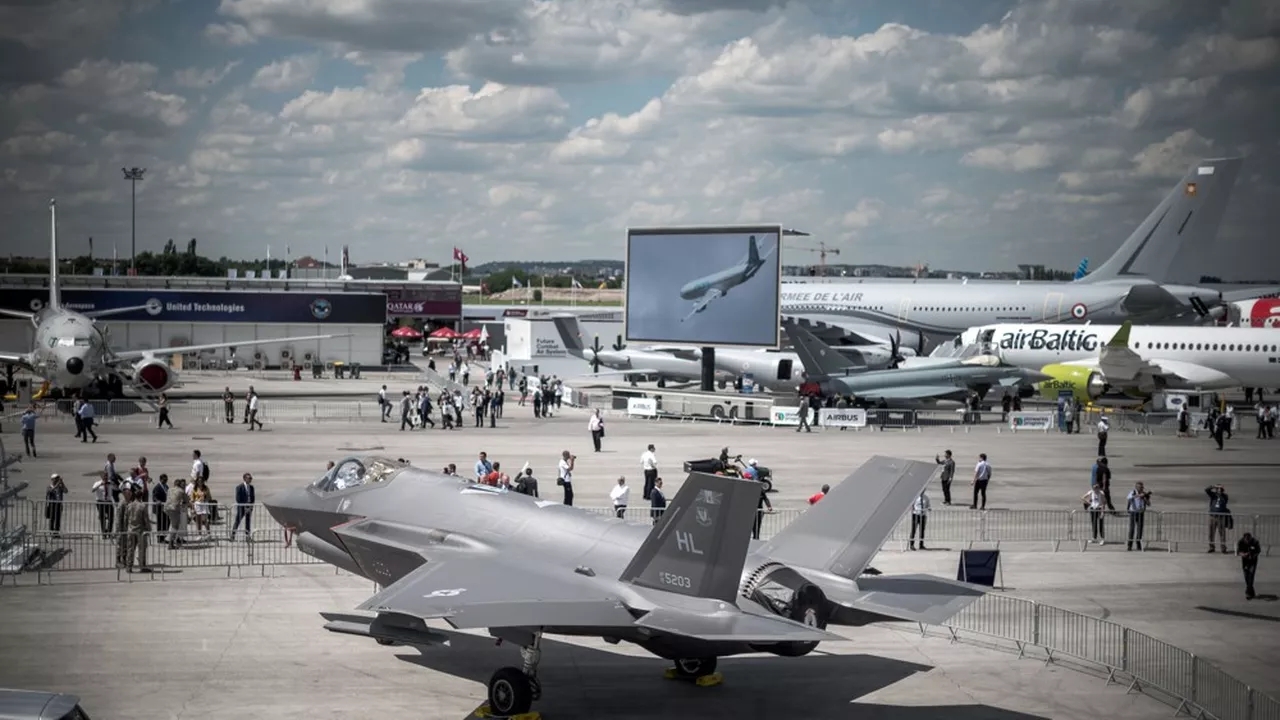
(970,133)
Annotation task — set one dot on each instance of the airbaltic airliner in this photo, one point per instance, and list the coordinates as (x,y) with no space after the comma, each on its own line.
(1098,362)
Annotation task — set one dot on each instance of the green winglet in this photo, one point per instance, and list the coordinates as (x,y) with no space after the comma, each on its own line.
(1121,338)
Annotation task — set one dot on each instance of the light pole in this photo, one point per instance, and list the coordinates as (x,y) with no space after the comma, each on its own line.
(133,175)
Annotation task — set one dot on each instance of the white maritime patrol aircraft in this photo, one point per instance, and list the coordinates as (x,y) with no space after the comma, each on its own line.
(717,285)
(1126,364)
(72,354)
(1130,285)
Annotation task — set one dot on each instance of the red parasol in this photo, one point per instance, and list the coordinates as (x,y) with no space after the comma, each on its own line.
(472,334)
(443,333)
(405,332)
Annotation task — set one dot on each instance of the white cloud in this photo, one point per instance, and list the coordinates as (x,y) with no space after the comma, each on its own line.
(233,34)
(492,112)
(287,75)
(537,128)
(1017,158)
(198,78)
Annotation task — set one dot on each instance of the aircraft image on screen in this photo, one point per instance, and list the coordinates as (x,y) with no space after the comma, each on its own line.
(1133,284)
(917,379)
(1125,365)
(691,588)
(707,289)
(72,354)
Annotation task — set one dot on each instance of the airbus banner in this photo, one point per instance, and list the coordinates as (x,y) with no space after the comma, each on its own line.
(211,306)
(779,415)
(642,407)
(842,418)
(1032,421)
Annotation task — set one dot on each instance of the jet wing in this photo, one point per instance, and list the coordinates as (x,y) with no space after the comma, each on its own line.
(127,355)
(916,392)
(9,358)
(702,304)
(1118,362)
(475,592)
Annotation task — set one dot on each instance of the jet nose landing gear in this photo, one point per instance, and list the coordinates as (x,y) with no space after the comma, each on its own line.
(512,690)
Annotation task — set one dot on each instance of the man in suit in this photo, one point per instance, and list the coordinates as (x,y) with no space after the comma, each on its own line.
(160,496)
(657,500)
(245,498)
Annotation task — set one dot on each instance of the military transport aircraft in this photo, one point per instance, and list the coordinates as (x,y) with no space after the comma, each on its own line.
(72,353)
(691,588)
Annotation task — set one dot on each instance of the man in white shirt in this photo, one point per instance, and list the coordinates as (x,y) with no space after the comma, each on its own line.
(596,426)
(1104,425)
(197,466)
(564,476)
(103,494)
(649,464)
(383,404)
(86,415)
(981,476)
(919,514)
(253,411)
(620,494)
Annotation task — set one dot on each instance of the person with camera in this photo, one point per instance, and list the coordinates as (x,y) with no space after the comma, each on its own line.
(565,475)
(1096,503)
(1139,501)
(1219,516)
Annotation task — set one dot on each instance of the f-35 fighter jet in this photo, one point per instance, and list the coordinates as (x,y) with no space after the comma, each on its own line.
(692,588)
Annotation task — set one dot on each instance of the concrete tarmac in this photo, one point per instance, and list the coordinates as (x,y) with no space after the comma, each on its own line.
(218,648)
(215,647)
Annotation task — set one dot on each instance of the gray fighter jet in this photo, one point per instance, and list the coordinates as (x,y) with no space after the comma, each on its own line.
(691,588)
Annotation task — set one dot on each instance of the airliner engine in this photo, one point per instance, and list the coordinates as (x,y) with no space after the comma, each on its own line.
(151,376)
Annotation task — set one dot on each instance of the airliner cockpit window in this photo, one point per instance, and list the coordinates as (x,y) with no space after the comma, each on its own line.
(354,472)
(73,342)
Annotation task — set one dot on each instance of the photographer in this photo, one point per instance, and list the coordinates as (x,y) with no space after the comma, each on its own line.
(1139,501)
(565,475)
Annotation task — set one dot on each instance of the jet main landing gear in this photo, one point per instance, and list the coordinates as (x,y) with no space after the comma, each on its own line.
(512,690)
(699,671)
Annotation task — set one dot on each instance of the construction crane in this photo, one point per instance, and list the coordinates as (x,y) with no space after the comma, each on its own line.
(822,251)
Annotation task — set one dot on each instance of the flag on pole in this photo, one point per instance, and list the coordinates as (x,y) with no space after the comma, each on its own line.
(91,248)
(515,282)
(462,259)
(576,285)
(346,257)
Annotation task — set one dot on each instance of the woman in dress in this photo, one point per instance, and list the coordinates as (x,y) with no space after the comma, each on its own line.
(200,497)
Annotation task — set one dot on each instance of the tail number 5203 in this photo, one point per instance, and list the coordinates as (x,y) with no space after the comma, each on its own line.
(673,580)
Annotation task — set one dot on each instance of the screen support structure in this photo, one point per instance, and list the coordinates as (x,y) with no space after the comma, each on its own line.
(708,369)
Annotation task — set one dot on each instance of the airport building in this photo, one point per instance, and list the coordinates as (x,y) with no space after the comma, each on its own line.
(191,311)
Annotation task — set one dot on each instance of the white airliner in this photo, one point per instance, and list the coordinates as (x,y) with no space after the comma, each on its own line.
(71,352)
(1131,285)
(1099,363)
(1260,313)
(717,285)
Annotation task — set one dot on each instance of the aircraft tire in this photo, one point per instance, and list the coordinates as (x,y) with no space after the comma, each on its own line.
(768,484)
(510,692)
(717,412)
(694,668)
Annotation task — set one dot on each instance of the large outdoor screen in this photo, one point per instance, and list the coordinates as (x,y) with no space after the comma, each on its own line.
(706,286)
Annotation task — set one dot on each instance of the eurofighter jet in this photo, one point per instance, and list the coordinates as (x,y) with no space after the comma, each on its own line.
(692,588)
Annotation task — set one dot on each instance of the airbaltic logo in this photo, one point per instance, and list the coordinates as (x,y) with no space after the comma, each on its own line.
(1045,339)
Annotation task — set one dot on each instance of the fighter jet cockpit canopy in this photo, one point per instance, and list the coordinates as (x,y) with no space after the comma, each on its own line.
(356,471)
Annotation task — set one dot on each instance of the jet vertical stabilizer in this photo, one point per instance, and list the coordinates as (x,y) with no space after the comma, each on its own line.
(55,295)
(1192,212)
(818,358)
(753,252)
(699,546)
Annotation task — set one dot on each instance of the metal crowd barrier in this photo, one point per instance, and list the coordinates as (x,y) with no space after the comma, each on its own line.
(1051,529)
(1194,685)
(1126,656)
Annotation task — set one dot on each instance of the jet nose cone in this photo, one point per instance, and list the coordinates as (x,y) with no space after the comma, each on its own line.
(75,365)
(286,507)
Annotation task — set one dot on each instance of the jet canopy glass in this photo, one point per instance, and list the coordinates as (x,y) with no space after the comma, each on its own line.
(354,472)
